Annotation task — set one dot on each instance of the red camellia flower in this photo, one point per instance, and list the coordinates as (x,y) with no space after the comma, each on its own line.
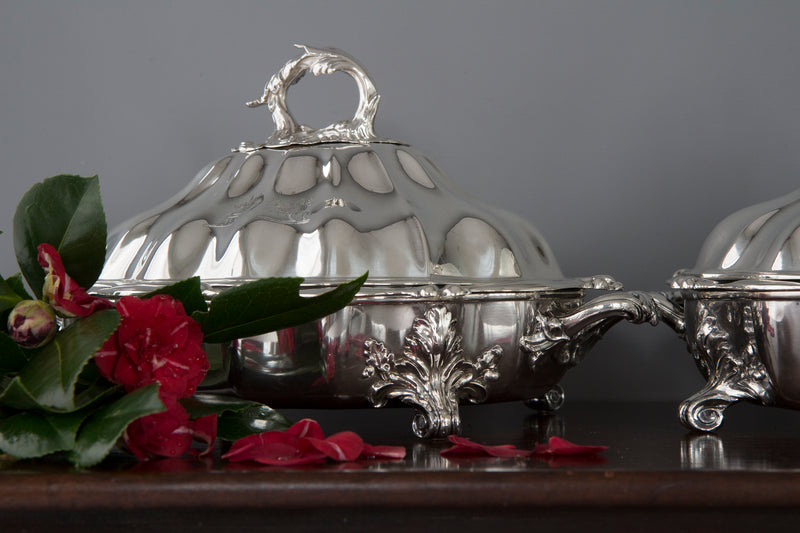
(164,434)
(67,297)
(155,342)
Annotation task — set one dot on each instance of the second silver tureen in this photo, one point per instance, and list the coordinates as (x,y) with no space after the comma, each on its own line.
(739,310)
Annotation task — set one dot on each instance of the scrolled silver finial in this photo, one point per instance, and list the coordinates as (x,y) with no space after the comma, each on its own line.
(359,129)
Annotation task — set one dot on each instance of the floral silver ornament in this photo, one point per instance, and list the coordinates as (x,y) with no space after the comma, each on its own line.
(431,373)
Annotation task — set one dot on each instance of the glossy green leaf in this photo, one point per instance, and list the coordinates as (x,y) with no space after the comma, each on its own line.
(52,372)
(12,357)
(18,286)
(236,418)
(188,292)
(66,212)
(8,296)
(101,431)
(267,305)
(16,396)
(34,434)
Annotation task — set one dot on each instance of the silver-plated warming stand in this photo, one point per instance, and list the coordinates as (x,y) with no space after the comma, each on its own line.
(739,310)
(464,304)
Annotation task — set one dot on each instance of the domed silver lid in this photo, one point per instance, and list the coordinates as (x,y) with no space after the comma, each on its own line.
(757,247)
(328,205)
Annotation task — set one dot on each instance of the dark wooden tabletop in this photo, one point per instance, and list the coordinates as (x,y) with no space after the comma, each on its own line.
(655,476)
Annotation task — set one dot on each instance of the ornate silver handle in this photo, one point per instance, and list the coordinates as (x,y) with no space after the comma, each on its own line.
(568,337)
(359,129)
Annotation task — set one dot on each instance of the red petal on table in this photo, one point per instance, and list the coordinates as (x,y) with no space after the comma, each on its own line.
(250,447)
(283,455)
(204,429)
(383,452)
(272,448)
(306,428)
(558,446)
(344,446)
(464,446)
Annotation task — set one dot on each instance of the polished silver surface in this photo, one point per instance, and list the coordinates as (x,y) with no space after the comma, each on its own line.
(432,373)
(327,205)
(464,302)
(760,242)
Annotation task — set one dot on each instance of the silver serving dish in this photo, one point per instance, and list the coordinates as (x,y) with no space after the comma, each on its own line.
(464,302)
(739,310)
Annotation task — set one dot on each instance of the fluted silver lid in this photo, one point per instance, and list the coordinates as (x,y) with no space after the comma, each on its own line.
(758,246)
(328,205)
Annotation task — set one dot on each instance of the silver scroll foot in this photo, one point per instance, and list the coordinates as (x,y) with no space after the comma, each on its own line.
(431,373)
(549,402)
(733,374)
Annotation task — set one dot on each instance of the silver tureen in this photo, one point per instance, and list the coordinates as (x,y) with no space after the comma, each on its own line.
(739,310)
(464,302)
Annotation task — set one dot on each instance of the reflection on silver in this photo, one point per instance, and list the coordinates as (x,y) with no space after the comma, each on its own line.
(430,374)
(703,452)
(725,350)
(710,452)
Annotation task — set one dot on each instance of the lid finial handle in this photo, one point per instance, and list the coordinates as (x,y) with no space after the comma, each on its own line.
(359,129)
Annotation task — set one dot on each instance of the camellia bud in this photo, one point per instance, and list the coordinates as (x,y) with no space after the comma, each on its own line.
(32,323)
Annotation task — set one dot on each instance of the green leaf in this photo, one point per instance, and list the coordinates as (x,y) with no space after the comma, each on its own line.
(188,292)
(237,418)
(18,286)
(16,396)
(66,212)
(52,372)
(8,296)
(12,357)
(104,427)
(267,305)
(34,434)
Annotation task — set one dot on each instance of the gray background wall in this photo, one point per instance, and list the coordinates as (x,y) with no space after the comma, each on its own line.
(623,130)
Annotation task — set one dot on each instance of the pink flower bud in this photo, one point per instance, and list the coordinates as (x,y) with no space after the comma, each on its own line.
(32,323)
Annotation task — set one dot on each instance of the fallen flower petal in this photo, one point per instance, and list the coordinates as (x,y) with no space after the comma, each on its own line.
(559,446)
(306,428)
(383,452)
(464,446)
(344,446)
(250,447)
(204,429)
(305,443)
